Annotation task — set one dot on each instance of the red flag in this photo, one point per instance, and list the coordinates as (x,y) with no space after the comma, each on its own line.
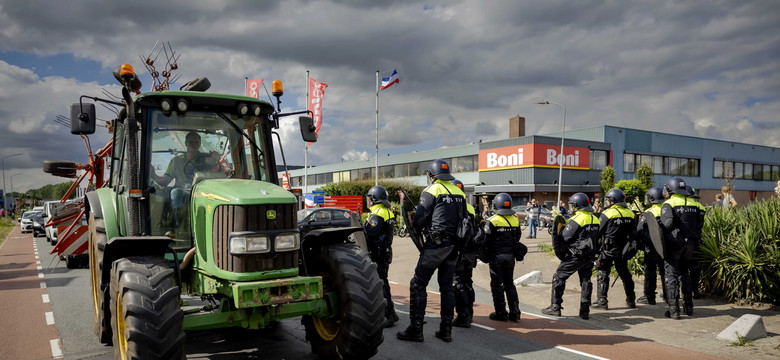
(316,93)
(253,88)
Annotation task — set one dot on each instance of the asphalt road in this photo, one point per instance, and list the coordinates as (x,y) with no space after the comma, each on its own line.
(69,294)
(534,336)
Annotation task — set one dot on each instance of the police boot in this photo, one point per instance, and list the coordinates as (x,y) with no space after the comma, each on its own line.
(601,304)
(414,332)
(553,309)
(643,299)
(499,316)
(445,331)
(631,303)
(514,312)
(464,319)
(584,311)
(688,308)
(391,319)
(673,312)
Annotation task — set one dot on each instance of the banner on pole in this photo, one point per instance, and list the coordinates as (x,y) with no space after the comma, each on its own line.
(316,94)
(253,88)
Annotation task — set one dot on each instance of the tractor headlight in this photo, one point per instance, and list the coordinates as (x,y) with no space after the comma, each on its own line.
(289,241)
(249,244)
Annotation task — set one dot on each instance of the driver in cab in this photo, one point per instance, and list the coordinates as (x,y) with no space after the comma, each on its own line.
(182,168)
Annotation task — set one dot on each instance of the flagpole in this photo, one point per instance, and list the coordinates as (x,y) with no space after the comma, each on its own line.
(376,160)
(306,149)
(246,84)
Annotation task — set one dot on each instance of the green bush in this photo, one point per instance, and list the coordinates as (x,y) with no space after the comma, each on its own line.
(361,188)
(740,253)
(634,189)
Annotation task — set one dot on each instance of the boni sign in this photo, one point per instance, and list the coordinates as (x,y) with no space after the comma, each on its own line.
(534,155)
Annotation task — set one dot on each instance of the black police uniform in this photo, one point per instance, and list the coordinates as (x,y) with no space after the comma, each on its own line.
(442,206)
(501,234)
(464,285)
(618,227)
(379,233)
(654,263)
(682,219)
(580,235)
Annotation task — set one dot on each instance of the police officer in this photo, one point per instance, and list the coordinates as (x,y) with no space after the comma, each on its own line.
(654,263)
(682,218)
(618,227)
(464,268)
(379,233)
(579,236)
(695,267)
(502,230)
(442,206)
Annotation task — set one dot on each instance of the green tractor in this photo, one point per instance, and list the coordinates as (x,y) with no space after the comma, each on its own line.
(192,231)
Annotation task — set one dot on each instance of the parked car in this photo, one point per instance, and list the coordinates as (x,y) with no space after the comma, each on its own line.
(38,224)
(27,221)
(318,218)
(545,217)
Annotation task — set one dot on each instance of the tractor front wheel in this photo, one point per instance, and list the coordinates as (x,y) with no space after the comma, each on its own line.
(100,296)
(146,319)
(356,330)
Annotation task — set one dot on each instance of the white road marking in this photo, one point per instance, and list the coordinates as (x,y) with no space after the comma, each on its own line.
(434,292)
(581,353)
(45,298)
(544,316)
(393,282)
(36,257)
(39,268)
(43,285)
(38,262)
(56,351)
(40,275)
(483,326)
(49,318)
(397,303)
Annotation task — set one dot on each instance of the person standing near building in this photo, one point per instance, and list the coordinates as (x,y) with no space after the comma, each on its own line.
(579,236)
(618,227)
(654,263)
(682,219)
(562,209)
(534,211)
(728,199)
(442,207)
(718,201)
(502,231)
(379,235)
(464,269)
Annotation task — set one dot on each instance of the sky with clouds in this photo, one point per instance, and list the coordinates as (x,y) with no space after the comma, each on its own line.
(700,68)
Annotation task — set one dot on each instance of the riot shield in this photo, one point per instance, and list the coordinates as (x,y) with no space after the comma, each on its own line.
(407,213)
(559,245)
(656,234)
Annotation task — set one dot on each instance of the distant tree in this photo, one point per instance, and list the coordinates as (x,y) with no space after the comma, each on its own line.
(645,174)
(607,179)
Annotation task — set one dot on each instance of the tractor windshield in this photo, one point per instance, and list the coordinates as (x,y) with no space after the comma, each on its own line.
(183,150)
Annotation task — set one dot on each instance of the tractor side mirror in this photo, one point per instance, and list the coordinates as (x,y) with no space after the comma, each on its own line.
(308,130)
(82,119)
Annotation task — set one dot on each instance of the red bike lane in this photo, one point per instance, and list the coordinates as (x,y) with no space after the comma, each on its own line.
(27,328)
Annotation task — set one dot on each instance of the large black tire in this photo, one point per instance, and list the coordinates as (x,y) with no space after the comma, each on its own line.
(356,331)
(100,295)
(146,319)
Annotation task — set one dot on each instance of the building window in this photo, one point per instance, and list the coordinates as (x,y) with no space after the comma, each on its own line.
(365,174)
(310,179)
(354,174)
(628,163)
(693,167)
(386,172)
(598,159)
(767,173)
(658,164)
(775,173)
(739,170)
(324,178)
(748,171)
(464,164)
(717,169)
(758,172)
(401,170)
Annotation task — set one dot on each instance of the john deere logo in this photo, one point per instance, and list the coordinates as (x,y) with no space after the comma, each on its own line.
(270,214)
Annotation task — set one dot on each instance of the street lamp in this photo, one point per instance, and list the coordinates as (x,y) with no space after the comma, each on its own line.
(2,162)
(560,156)
(12,182)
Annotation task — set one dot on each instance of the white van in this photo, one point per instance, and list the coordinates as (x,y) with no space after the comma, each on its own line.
(51,231)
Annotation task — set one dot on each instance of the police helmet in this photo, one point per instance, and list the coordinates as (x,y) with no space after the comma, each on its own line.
(457,183)
(378,194)
(503,204)
(675,185)
(691,191)
(615,196)
(580,201)
(655,195)
(440,170)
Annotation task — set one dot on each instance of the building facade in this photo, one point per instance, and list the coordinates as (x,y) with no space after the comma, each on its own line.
(527,167)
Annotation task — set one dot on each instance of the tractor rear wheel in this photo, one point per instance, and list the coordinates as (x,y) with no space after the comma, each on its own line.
(100,297)
(356,330)
(146,320)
